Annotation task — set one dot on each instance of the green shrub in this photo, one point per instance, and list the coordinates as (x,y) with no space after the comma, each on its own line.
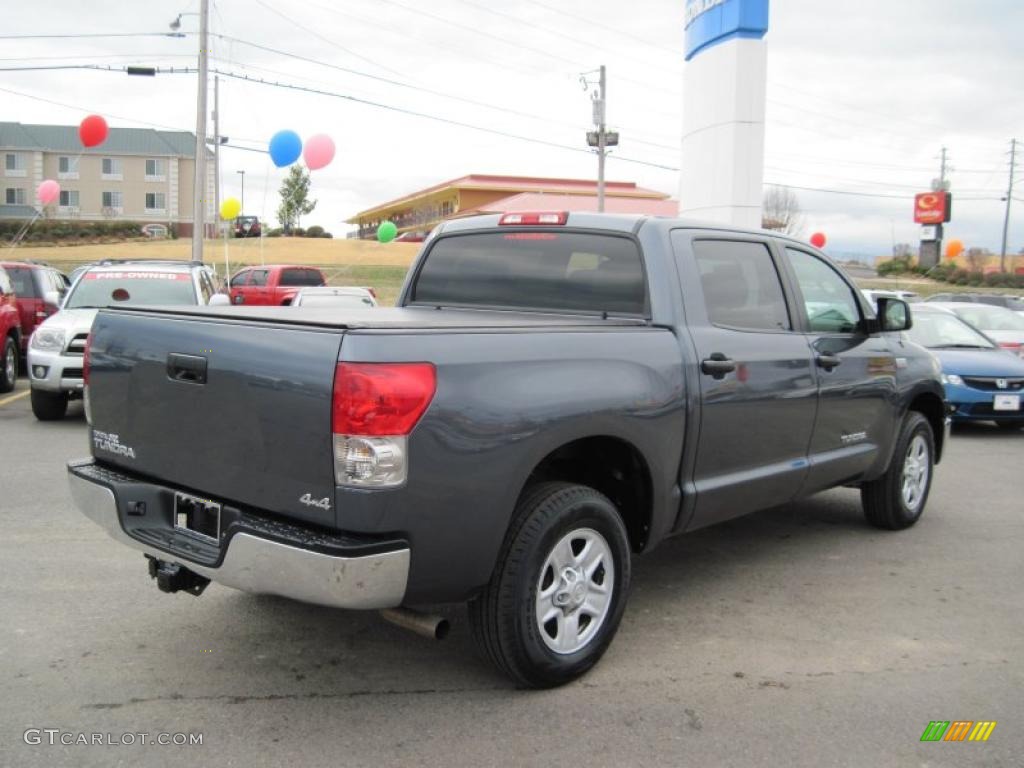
(315,231)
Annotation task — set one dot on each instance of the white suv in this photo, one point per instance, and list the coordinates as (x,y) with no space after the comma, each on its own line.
(56,347)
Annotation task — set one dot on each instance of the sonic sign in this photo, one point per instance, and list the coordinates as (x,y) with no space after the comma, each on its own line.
(932,207)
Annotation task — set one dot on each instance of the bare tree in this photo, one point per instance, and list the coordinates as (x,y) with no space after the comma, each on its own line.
(781,211)
(976,258)
(903,251)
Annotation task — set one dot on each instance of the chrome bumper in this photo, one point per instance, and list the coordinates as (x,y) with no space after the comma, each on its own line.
(255,564)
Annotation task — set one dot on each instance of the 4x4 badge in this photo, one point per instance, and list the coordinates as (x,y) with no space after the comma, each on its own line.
(309,501)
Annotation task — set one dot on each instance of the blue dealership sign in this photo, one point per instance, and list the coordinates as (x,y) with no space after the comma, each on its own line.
(709,22)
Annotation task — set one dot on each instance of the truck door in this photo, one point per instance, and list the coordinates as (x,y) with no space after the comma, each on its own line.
(757,382)
(256,290)
(858,402)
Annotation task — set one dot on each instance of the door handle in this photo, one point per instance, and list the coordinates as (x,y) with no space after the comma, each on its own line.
(717,365)
(190,369)
(828,362)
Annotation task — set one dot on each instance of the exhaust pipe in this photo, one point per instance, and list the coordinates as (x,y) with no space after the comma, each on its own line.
(430,627)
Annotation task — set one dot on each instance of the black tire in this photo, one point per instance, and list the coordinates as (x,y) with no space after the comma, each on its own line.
(49,406)
(9,365)
(504,617)
(884,500)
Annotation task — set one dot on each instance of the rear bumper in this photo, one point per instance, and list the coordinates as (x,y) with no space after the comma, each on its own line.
(249,561)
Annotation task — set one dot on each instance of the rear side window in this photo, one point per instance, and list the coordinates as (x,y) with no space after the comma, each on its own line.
(259,277)
(301,277)
(741,285)
(23,283)
(559,271)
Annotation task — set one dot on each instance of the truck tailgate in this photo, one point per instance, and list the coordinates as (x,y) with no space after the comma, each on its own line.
(239,411)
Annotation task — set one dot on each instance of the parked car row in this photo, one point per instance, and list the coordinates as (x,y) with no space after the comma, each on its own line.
(1015,303)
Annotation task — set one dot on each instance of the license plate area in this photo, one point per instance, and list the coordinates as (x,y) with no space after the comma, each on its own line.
(1006,403)
(198,516)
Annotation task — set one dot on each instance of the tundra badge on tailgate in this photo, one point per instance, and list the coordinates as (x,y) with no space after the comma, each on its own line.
(111,443)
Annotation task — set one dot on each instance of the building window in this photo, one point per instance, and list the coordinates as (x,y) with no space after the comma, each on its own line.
(67,167)
(69,198)
(15,195)
(112,199)
(112,169)
(14,164)
(155,170)
(155,202)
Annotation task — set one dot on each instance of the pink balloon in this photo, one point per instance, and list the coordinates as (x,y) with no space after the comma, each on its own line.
(318,151)
(48,192)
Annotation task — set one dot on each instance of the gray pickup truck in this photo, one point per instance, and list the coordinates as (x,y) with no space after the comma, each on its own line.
(553,394)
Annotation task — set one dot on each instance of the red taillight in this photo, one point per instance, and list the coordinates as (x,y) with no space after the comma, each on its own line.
(534,218)
(381,398)
(85,360)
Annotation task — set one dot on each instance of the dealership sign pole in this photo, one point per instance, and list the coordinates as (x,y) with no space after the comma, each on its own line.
(722,173)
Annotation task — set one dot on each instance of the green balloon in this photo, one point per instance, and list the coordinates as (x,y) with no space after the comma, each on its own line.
(387,231)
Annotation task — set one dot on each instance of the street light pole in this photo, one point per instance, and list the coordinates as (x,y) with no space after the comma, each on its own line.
(199,185)
(242,201)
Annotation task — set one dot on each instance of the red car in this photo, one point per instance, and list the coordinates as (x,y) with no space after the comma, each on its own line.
(10,334)
(39,289)
(272,284)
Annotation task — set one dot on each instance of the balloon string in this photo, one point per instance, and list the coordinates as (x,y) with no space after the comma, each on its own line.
(22,232)
(263,210)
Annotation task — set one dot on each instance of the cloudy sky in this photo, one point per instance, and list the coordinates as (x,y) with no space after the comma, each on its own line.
(861,96)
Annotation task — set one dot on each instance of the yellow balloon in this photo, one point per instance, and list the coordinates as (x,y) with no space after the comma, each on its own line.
(230,209)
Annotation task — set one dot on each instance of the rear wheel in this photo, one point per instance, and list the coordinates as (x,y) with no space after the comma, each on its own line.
(9,365)
(896,499)
(49,406)
(559,588)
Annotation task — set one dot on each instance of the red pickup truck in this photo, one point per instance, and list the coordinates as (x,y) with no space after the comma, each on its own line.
(10,334)
(272,284)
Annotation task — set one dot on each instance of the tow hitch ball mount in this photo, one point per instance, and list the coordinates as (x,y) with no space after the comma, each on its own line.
(171,577)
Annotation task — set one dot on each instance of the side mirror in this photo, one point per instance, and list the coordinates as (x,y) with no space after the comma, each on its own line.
(894,315)
(219,300)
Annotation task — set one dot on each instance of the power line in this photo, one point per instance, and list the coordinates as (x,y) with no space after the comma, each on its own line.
(92,34)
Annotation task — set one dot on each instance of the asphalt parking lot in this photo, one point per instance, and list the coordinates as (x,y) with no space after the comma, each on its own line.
(795,637)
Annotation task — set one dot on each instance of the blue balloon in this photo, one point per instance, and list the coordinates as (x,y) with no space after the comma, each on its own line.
(285,148)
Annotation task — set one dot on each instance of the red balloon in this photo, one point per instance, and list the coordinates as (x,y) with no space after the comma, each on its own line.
(93,131)
(818,239)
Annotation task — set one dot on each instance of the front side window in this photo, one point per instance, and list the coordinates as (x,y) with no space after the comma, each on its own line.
(259,277)
(828,299)
(741,285)
(240,279)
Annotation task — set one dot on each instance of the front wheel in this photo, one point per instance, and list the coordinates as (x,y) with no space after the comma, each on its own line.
(896,499)
(559,588)
(9,365)
(49,406)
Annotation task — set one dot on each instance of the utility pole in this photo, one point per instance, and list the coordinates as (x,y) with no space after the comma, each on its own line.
(242,201)
(1009,197)
(199,187)
(599,108)
(216,152)
(602,138)
(942,170)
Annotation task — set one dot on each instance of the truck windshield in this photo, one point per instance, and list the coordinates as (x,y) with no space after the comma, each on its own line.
(560,271)
(105,289)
